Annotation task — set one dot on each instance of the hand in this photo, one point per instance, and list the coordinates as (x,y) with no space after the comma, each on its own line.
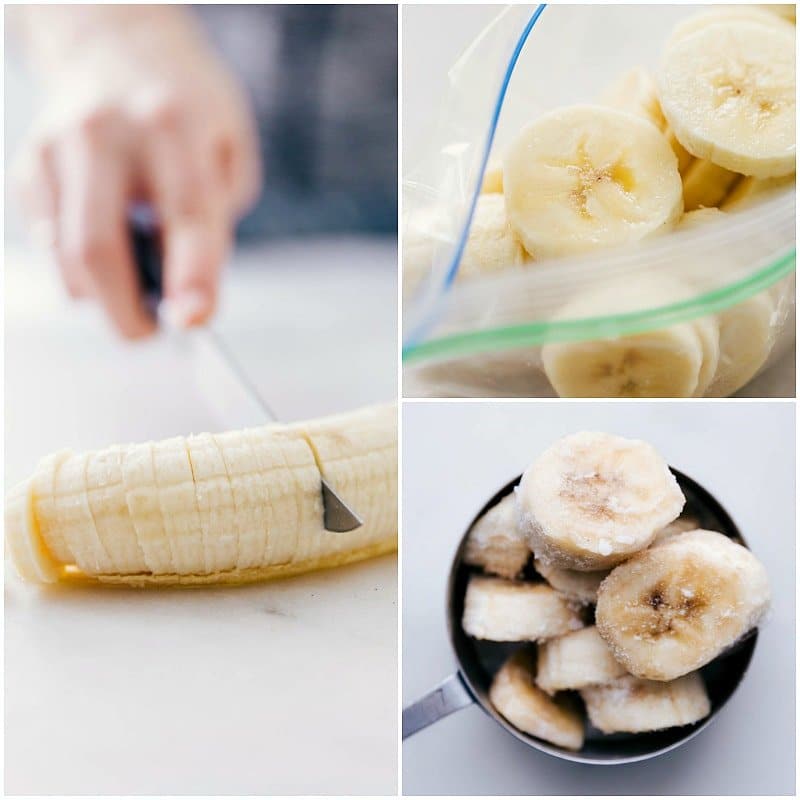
(140,114)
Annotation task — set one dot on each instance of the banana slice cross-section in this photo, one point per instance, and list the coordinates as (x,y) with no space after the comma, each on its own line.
(728,92)
(633,705)
(584,177)
(591,500)
(515,696)
(496,543)
(503,611)
(576,660)
(228,508)
(673,608)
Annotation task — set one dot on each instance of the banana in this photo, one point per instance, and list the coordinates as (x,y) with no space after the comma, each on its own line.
(705,185)
(591,500)
(575,661)
(496,543)
(727,90)
(669,610)
(723,14)
(746,336)
(749,191)
(632,705)
(635,91)
(684,523)
(502,611)
(678,361)
(228,508)
(583,177)
(493,177)
(700,217)
(424,231)
(578,586)
(516,698)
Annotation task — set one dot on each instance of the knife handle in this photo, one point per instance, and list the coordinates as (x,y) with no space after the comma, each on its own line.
(145,237)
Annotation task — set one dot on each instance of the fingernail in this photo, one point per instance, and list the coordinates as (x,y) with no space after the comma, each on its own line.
(189,308)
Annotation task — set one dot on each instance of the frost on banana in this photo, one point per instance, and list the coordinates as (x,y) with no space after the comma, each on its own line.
(222,508)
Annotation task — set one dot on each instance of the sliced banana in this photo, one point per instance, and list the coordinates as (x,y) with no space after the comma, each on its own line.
(671,609)
(516,698)
(728,92)
(706,185)
(591,500)
(746,336)
(574,661)
(493,177)
(632,705)
(578,586)
(686,522)
(583,177)
(424,230)
(749,191)
(502,611)
(726,13)
(636,92)
(678,361)
(496,543)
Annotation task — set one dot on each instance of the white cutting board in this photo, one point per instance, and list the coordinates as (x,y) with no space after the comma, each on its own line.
(281,688)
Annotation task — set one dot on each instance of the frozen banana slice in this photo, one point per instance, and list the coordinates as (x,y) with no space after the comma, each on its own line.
(632,705)
(144,509)
(683,524)
(728,92)
(673,608)
(215,504)
(578,586)
(574,661)
(109,507)
(515,696)
(591,500)
(504,611)
(746,336)
(584,177)
(496,543)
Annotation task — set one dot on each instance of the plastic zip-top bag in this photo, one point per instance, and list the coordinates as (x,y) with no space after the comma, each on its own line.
(560,237)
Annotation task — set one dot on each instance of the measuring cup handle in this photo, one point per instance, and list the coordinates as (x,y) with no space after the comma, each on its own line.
(449,696)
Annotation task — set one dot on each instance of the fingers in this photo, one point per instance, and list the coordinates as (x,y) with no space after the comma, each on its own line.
(93,243)
(195,210)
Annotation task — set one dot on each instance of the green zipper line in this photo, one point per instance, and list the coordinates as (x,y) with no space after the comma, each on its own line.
(536,333)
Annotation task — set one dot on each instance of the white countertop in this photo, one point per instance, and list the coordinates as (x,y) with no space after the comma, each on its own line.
(281,688)
(456,455)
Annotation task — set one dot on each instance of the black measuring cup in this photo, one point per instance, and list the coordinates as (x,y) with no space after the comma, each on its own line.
(477,661)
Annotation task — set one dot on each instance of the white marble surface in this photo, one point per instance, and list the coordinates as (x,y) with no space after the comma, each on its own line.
(282,688)
(455,456)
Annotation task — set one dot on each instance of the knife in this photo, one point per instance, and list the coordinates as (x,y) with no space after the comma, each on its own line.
(337,515)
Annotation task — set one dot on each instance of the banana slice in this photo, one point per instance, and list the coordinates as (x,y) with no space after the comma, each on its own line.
(635,91)
(672,609)
(727,90)
(746,337)
(631,705)
(706,184)
(493,177)
(583,177)
(578,586)
(700,217)
(678,361)
(591,500)
(749,191)
(683,524)
(574,661)
(502,611)
(496,543)
(424,230)
(528,708)
(697,22)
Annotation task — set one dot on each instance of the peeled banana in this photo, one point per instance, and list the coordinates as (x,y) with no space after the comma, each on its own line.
(591,500)
(673,608)
(517,699)
(632,705)
(227,508)
(496,543)
(503,611)
(583,177)
(574,661)
(727,89)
